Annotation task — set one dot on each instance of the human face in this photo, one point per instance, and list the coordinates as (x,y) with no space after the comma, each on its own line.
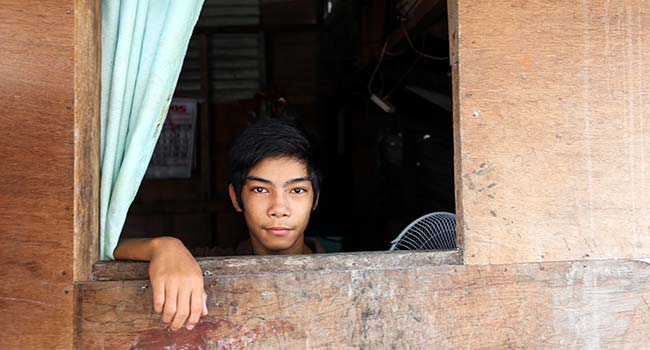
(277,199)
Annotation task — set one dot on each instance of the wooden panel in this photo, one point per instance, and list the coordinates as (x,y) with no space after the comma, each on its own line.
(590,304)
(553,137)
(36,190)
(86,146)
(452,20)
(122,270)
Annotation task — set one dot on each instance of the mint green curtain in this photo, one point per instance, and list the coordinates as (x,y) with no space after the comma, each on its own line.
(143,46)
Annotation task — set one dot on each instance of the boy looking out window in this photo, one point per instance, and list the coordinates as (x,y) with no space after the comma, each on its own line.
(275,183)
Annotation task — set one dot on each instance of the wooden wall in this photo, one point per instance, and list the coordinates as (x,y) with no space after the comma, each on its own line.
(550,146)
(550,165)
(36,165)
(553,136)
(584,305)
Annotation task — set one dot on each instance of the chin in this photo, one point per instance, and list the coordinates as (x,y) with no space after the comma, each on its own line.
(278,244)
(276,247)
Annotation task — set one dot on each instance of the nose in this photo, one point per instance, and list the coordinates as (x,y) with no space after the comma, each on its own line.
(279,206)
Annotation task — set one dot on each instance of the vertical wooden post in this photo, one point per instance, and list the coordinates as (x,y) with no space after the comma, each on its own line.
(87,79)
(452,20)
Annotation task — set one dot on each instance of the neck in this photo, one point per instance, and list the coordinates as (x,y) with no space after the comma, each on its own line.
(299,247)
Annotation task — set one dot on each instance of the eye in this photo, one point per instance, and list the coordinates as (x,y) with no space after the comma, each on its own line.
(259,189)
(298,190)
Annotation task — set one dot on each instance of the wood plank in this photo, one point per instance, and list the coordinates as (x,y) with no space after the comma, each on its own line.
(452,30)
(554,142)
(36,190)
(452,21)
(87,66)
(552,305)
(241,265)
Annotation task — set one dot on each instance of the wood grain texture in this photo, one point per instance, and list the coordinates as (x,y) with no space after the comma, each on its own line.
(242,265)
(87,66)
(36,165)
(588,304)
(452,21)
(553,107)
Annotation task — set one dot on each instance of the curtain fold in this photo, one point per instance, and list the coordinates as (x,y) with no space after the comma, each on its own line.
(143,46)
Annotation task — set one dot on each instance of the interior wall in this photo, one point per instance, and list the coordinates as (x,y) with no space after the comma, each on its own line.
(553,106)
(36,191)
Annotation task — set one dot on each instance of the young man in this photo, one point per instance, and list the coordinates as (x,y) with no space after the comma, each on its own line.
(275,183)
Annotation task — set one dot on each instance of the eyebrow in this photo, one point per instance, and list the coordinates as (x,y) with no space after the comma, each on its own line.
(269,182)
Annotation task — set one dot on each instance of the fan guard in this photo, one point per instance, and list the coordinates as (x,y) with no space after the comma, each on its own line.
(434,231)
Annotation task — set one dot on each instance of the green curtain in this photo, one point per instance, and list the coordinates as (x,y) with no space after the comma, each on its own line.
(143,46)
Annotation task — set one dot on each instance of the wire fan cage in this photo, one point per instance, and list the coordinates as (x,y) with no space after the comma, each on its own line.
(434,231)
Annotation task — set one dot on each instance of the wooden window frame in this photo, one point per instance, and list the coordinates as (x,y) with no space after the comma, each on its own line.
(88,267)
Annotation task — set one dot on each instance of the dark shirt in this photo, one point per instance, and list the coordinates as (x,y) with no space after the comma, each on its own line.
(245,248)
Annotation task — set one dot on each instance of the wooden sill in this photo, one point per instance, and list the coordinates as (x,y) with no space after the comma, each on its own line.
(247,265)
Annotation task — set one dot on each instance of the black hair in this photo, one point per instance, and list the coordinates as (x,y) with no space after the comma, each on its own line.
(272,138)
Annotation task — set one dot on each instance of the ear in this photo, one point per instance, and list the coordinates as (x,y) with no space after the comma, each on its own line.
(233,198)
(316,201)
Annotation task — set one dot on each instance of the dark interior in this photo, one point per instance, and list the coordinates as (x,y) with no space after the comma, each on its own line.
(382,170)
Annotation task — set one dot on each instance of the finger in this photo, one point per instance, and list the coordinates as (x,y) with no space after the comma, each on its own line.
(182,308)
(205,304)
(158,295)
(196,308)
(171,293)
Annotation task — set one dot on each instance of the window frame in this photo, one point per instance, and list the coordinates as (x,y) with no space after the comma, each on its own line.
(88,267)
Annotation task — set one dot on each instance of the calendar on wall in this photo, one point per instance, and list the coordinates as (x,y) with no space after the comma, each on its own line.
(173,156)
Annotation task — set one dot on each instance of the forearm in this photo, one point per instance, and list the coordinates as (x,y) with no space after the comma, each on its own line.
(142,249)
(176,278)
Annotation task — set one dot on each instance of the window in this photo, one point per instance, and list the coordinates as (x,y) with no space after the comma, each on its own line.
(382,168)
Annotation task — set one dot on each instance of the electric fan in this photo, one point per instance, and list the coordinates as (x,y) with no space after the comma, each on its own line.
(434,231)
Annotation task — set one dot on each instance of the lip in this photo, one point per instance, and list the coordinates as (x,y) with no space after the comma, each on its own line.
(278,231)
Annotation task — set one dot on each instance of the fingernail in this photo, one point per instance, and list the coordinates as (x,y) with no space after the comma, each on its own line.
(190,327)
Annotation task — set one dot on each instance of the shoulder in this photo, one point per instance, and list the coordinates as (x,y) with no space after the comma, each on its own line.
(314,245)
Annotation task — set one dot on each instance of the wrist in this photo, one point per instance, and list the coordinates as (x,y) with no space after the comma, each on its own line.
(160,245)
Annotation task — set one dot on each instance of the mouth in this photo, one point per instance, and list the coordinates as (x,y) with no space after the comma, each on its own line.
(278,231)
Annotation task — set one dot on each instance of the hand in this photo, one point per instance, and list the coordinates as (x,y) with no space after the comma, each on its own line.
(177,284)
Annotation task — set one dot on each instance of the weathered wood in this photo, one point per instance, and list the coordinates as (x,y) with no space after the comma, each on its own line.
(87,66)
(552,130)
(452,7)
(229,266)
(452,30)
(553,305)
(36,164)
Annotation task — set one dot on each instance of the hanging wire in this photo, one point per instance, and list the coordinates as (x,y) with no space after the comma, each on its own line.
(399,82)
(385,52)
(381,59)
(408,38)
